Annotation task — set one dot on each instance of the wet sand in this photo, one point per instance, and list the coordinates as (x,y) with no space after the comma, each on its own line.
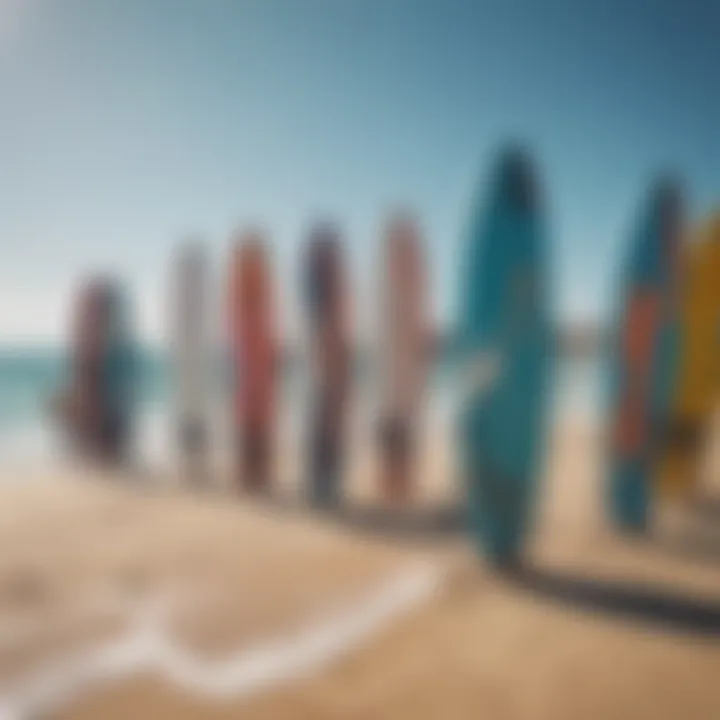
(596,627)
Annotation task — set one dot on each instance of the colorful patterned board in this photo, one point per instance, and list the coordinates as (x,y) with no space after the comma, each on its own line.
(254,351)
(326,295)
(645,358)
(191,358)
(403,354)
(698,382)
(504,342)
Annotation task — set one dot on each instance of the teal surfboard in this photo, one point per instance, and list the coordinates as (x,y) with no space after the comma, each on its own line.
(120,376)
(504,345)
(644,357)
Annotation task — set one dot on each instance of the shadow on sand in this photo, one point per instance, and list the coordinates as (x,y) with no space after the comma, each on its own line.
(692,546)
(380,521)
(707,508)
(697,541)
(448,520)
(653,605)
(642,602)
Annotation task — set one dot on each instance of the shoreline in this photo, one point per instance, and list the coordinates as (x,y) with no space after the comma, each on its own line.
(591,606)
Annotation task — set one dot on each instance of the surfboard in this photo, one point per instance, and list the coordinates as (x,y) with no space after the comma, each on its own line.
(191,358)
(698,382)
(97,406)
(326,300)
(644,357)
(255,354)
(80,406)
(504,345)
(120,375)
(404,354)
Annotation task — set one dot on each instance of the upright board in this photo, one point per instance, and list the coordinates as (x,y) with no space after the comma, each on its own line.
(404,354)
(698,382)
(326,296)
(190,340)
(80,406)
(255,355)
(644,358)
(97,406)
(505,346)
(120,376)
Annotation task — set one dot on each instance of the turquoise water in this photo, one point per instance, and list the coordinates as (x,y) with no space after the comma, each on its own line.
(28,379)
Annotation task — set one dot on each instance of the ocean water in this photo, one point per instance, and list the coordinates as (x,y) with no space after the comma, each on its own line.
(28,382)
(29,379)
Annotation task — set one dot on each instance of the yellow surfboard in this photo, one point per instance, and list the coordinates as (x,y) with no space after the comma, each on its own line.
(698,389)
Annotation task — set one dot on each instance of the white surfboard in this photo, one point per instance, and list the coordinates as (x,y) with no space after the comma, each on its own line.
(191,357)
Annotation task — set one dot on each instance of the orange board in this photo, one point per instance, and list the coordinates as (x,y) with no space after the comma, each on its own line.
(254,351)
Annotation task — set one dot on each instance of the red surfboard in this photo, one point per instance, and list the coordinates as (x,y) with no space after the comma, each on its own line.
(254,351)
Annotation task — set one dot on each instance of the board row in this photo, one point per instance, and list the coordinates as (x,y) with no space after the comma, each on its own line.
(663,359)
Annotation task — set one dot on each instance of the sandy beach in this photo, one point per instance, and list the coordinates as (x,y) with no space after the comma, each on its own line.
(120,599)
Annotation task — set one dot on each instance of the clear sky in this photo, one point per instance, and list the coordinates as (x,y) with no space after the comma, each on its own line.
(126,123)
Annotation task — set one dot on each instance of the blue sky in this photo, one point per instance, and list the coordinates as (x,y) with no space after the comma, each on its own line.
(127,123)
